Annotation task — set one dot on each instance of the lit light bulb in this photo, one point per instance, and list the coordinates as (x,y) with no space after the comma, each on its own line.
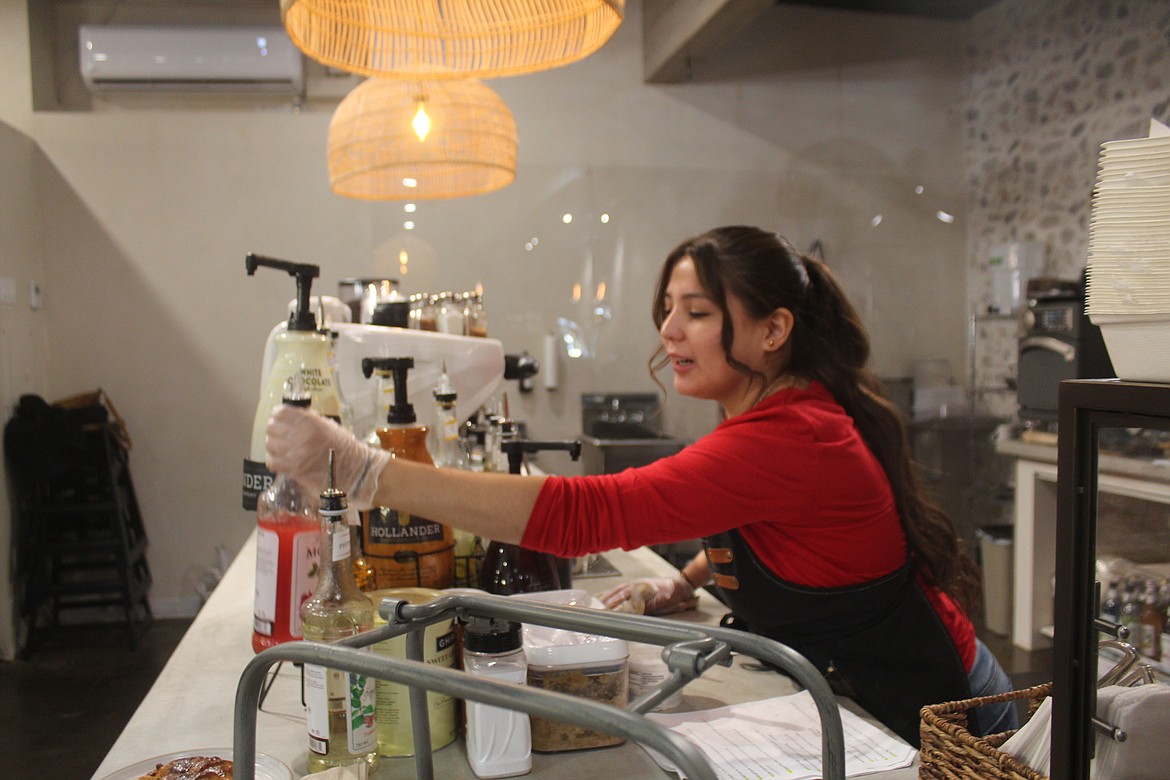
(421,122)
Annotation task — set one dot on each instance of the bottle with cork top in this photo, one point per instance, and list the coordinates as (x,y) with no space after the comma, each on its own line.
(405,550)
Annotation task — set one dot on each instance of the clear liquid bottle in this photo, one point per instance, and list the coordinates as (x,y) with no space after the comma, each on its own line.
(446,448)
(340,705)
(499,741)
(288,541)
(446,445)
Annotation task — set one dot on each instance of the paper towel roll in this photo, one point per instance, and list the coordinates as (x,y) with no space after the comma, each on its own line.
(550,362)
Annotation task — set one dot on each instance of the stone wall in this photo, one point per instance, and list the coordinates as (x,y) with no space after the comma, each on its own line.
(1050,80)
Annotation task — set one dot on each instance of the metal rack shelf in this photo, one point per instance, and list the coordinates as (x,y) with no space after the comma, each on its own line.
(1086,406)
(689,651)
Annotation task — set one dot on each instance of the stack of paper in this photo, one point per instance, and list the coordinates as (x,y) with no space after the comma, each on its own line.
(780,738)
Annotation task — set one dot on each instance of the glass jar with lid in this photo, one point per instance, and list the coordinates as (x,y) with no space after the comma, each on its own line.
(475,320)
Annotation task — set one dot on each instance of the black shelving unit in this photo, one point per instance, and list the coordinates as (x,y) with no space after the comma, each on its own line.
(1086,407)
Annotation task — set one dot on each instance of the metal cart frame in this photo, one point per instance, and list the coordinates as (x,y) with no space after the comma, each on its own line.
(688,649)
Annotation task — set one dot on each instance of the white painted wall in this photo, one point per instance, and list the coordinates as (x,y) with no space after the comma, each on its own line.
(22,330)
(149,211)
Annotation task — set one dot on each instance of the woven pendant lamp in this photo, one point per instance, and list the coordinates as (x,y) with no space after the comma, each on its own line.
(441,39)
(408,140)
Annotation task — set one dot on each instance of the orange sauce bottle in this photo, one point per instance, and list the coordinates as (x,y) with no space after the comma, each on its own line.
(405,550)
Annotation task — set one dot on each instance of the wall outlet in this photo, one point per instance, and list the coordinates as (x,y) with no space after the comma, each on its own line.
(34,295)
(8,290)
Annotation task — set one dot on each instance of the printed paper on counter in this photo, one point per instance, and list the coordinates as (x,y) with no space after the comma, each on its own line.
(779,738)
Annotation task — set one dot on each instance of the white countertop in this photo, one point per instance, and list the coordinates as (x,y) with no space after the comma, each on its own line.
(1121,465)
(192,702)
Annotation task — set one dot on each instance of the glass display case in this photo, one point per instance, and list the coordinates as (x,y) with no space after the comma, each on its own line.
(1098,417)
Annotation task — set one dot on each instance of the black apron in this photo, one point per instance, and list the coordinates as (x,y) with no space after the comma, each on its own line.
(881,643)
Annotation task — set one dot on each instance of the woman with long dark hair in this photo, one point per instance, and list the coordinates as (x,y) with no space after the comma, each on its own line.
(816,532)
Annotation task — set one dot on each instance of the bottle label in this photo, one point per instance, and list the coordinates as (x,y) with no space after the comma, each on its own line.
(267,561)
(257,479)
(407,551)
(330,692)
(306,557)
(341,544)
(389,526)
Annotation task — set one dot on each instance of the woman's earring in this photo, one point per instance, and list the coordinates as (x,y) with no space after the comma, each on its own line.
(771,343)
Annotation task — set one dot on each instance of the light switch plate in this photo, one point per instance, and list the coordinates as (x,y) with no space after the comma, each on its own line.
(7,290)
(34,295)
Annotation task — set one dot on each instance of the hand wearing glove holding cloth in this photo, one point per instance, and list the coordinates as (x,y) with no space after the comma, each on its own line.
(814,526)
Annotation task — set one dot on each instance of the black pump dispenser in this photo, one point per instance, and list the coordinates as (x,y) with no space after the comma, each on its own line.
(516,449)
(402,412)
(510,568)
(301,317)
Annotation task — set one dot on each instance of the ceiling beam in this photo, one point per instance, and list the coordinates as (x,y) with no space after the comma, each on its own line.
(676,33)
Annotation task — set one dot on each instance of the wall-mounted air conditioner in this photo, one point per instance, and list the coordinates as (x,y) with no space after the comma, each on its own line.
(189,58)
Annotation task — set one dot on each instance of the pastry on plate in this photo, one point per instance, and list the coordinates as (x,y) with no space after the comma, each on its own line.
(192,768)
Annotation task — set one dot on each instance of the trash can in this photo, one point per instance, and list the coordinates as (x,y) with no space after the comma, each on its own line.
(995,553)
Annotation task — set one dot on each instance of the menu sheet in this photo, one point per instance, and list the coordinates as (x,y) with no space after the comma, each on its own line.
(779,738)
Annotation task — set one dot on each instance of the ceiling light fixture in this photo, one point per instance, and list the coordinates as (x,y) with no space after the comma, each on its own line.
(376,150)
(449,39)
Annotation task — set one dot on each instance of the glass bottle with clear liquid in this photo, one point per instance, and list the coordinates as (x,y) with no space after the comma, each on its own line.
(340,705)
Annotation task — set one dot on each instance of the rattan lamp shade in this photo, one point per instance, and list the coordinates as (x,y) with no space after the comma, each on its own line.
(440,39)
(373,146)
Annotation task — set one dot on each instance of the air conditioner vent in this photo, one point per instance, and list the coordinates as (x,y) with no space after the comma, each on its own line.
(261,59)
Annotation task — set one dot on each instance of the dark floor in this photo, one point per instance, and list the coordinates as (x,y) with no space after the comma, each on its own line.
(66,704)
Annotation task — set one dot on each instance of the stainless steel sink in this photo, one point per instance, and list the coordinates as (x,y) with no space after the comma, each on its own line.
(609,456)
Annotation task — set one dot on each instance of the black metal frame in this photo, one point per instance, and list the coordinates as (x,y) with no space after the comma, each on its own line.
(1086,406)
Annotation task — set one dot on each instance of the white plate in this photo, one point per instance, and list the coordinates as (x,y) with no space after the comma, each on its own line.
(267,767)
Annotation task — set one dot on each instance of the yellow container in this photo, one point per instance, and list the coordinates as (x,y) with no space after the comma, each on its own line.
(395,736)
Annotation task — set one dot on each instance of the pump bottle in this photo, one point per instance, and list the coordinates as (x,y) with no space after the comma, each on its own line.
(405,550)
(340,705)
(510,568)
(301,349)
(288,539)
(447,451)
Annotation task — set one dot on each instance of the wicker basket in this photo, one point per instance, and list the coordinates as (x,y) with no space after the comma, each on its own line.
(949,750)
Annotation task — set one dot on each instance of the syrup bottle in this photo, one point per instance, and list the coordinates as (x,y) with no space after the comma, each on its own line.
(405,550)
(288,538)
(510,568)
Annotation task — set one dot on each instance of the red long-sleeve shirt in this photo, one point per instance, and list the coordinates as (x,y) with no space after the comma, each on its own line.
(792,473)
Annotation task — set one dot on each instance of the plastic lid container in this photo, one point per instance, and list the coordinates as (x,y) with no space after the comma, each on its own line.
(545,646)
(648,671)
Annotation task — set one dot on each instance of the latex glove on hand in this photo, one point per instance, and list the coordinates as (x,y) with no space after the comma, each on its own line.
(298,445)
(654,596)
